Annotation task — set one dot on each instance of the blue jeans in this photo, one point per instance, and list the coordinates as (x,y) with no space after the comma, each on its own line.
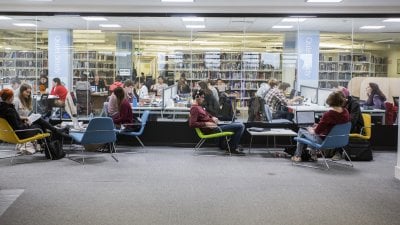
(303,133)
(237,129)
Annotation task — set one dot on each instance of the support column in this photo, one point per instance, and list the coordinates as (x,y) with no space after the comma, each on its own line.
(60,56)
(123,54)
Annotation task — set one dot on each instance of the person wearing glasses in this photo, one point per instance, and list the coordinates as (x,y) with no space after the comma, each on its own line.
(200,118)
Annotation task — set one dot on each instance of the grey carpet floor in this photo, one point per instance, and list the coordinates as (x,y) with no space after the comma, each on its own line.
(173,186)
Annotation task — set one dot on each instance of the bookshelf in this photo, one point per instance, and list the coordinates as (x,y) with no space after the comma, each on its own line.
(27,66)
(341,67)
(243,72)
(90,63)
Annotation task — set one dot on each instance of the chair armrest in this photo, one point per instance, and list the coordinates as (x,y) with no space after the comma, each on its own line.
(32,129)
(130,124)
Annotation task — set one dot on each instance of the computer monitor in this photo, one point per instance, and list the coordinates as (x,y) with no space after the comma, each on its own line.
(294,93)
(323,94)
(169,94)
(305,118)
(310,94)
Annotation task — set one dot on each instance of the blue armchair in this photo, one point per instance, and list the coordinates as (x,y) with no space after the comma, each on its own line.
(338,137)
(136,134)
(100,130)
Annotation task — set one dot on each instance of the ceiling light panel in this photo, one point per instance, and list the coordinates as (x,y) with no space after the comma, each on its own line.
(294,20)
(281,27)
(94,18)
(109,25)
(393,20)
(5,18)
(193,19)
(372,27)
(24,24)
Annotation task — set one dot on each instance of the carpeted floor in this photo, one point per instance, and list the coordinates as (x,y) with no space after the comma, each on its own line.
(173,186)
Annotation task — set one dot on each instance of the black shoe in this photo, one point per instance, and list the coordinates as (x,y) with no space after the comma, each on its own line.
(236,152)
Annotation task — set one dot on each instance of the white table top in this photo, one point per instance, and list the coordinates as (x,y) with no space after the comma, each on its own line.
(273,132)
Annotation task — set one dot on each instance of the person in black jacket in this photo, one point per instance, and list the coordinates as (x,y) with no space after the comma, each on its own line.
(356,119)
(9,113)
(210,103)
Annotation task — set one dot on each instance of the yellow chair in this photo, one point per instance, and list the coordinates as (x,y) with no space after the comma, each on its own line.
(8,135)
(203,137)
(366,131)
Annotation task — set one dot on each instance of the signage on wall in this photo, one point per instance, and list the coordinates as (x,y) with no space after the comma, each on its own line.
(124,72)
(60,55)
(308,58)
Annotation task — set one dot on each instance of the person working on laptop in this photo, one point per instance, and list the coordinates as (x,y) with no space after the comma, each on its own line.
(337,115)
(277,101)
(199,118)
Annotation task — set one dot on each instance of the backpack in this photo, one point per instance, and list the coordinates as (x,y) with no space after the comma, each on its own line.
(226,112)
(54,150)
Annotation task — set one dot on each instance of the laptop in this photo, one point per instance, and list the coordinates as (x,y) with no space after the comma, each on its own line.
(305,118)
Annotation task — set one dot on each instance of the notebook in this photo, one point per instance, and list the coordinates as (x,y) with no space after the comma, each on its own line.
(33,117)
(305,118)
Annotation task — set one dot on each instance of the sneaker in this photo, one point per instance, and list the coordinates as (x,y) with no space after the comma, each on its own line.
(337,156)
(296,158)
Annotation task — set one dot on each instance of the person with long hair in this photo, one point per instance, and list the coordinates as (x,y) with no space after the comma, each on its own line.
(125,114)
(199,118)
(23,101)
(210,103)
(64,99)
(337,115)
(376,98)
(9,113)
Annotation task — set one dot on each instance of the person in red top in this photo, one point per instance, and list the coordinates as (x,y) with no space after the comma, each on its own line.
(124,115)
(60,91)
(117,83)
(316,133)
(200,118)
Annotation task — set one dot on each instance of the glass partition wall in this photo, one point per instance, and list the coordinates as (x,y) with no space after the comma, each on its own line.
(241,53)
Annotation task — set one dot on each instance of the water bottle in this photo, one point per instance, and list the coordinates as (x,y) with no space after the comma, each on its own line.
(91,116)
(134,101)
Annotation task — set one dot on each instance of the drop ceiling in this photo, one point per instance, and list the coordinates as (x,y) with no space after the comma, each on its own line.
(202,6)
(232,30)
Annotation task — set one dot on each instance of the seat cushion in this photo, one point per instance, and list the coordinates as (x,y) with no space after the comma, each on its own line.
(76,136)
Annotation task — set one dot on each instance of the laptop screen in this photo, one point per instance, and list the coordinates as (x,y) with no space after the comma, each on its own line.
(396,100)
(305,117)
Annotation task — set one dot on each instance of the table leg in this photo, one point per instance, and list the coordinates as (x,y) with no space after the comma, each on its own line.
(251,141)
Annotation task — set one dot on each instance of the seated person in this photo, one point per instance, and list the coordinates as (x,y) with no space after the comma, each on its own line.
(356,119)
(209,102)
(376,98)
(316,133)
(141,89)
(117,83)
(23,101)
(199,118)
(278,102)
(64,100)
(99,83)
(9,113)
(124,114)
(159,86)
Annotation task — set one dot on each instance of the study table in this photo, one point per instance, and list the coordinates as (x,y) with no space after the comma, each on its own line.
(271,132)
